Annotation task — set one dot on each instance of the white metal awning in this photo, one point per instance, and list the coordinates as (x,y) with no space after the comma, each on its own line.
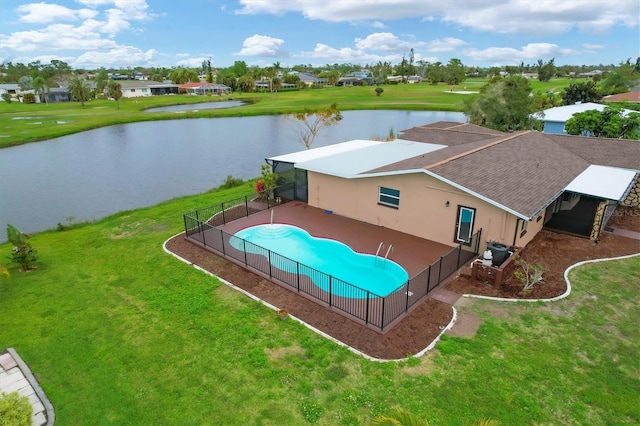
(324,151)
(351,163)
(611,183)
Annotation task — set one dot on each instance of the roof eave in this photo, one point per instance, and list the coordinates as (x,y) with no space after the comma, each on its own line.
(442,179)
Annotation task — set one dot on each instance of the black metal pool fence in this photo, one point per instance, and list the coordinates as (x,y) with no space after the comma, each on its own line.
(373,309)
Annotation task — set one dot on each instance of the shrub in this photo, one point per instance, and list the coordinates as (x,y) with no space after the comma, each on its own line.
(29,98)
(379,91)
(6,96)
(22,253)
(15,410)
(231,182)
(530,275)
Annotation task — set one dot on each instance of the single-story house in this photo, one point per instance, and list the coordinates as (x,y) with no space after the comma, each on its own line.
(311,80)
(12,89)
(134,89)
(204,88)
(444,181)
(554,119)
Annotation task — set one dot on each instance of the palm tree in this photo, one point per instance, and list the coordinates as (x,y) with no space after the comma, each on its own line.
(115,91)
(40,85)
(79,90)
(398,417)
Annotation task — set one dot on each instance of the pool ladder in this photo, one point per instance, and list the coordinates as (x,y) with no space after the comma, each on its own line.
(380,261)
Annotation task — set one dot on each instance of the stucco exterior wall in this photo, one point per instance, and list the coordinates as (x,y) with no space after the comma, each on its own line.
(422,210)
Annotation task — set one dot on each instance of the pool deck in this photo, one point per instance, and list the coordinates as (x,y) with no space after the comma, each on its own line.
(413,253)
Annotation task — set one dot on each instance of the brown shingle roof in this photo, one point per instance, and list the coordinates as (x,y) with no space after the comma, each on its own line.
(624,97)
(523,174)
(602,151)
(523,171)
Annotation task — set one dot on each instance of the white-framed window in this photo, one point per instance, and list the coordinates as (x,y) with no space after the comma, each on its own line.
(464,224)
(523,227)
(389,197)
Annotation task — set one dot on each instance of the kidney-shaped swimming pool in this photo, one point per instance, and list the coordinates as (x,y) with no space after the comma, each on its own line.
(368,272)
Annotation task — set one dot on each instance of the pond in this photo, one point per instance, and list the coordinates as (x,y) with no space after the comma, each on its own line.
(197,107)
(92,174)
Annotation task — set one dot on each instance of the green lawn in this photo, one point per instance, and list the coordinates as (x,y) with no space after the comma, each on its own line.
(119,332)
(22,123)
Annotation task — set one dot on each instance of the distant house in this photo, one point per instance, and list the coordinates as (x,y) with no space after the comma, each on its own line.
(311,80)
(134,89)
(12,89)
(445,181)
(633,97)
(554,119)
(57,94)
(205,88)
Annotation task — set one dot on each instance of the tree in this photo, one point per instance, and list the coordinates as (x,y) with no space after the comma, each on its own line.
(580,92)
(239,68)
(102,80)
(435,73)
(246,84)
(546,71)
(25,82)
(40,86)
(620,80)
(115,91)
(183,75)
(504,104)
(610,123)
(398,417)
(209,72)
(79,90)
(379,91)
(309,123)
(454,73)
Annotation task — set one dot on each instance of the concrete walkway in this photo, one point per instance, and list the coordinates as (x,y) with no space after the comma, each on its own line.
(16,376)
(624,233)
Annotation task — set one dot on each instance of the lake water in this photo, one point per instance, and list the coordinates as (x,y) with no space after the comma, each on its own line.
(95,173)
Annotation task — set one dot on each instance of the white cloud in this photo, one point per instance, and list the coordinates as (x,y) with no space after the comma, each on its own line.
(509,55)
(378,24)
(383,41)
(497,16)
(346,54)
(118,56)
(260,45)
(42,13)
(195,62)
(447,44)
(55,37)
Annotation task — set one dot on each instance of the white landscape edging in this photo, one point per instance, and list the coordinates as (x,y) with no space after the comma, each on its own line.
(309,326)
(566,278)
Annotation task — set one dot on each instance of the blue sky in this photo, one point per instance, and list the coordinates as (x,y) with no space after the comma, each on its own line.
(127,33)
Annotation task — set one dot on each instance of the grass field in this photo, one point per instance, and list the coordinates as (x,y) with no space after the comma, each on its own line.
(119,332)
(22,123)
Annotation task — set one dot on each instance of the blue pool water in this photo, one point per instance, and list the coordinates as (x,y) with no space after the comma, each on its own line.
(379,276)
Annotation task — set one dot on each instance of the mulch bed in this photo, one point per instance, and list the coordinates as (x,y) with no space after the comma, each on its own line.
(418,330)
